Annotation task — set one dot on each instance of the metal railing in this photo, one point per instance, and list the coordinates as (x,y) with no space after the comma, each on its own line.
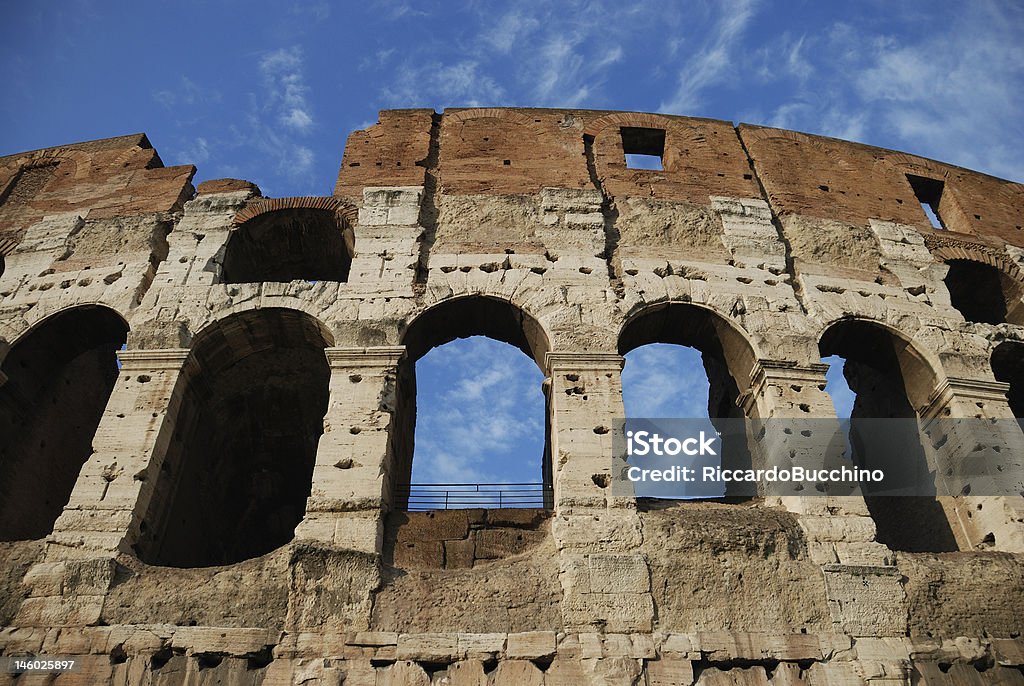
(420,497)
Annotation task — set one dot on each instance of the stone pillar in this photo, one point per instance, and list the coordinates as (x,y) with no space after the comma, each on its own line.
(863,585)
(352,478)
(605,580)
(387,248)
(116,484)
(111,495)
(983,521)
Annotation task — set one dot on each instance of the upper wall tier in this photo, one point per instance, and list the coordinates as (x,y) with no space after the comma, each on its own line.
(519,151)
(824,192)
(113,177)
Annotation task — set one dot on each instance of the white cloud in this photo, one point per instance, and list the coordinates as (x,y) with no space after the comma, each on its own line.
(462,83)
(510,30)
(285,88)
(297,119)
(480,414)
(662,380)
(928,87)
(712,64)
(198,152)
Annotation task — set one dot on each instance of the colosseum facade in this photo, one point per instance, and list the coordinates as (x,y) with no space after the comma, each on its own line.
(207,402)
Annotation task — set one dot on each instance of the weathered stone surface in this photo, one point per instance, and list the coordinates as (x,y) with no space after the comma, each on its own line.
(226,186)
(531,644)
(207,408)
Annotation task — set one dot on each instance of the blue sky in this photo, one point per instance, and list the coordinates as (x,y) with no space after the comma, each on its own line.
(269,90)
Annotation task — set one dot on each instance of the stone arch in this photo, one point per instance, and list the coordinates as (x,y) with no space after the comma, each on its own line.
(476,314)
(236,472)
(728,351)
(918,165)
(55,382)
(945,250)
(728,357)
(642,120)
(454,318)
(1008,366)
(985,285)
(893,379)
(289,239)
(514,117)
(920,369)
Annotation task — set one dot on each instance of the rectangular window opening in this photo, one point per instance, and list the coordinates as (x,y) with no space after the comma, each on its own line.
(929,194)
(644,148)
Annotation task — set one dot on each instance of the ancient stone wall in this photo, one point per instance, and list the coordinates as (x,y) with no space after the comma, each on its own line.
(207,403)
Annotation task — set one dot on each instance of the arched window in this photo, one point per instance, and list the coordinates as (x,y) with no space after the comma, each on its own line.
(475,405)
(236,474)
(983,293)
(882,373)
(1008,366)
(291,244)
(683,361)
(58,380)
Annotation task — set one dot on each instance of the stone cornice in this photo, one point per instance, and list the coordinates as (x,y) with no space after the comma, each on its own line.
(570,361)
(960,387)
(165,358)
(375,356)
(766,372)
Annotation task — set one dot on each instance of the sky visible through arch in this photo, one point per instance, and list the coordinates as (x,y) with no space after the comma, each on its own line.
(268,91)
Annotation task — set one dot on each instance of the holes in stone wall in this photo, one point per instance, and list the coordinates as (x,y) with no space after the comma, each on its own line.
(488,426)
(875,363)
(238,468)
(983,293)
(644,148)
(289,245)
(929,193)
(59,378)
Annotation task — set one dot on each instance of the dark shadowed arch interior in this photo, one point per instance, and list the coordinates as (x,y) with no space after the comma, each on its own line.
(886,373)
(455,319)
(983,293)
(59,378)
(288,245)
(1008,366)
(726,355)
(236,475)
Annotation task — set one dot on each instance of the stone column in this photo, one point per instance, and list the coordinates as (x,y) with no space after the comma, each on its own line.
(111,495)
(863,585)
(352,478)
(983,520)
(116,484)
(604,577)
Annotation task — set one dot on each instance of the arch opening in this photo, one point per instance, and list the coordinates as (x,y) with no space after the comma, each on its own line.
(683,361)
(58,380)
(294,244)
(983,293)
(471,412)
(238,467)
(887,379)
(1008,367)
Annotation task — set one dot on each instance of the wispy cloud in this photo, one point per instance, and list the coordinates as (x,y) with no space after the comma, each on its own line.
(285,88)
(932,84)
(480,414)
(713,62)
(186,93)
(280,119)
(662,380)
(462,83)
